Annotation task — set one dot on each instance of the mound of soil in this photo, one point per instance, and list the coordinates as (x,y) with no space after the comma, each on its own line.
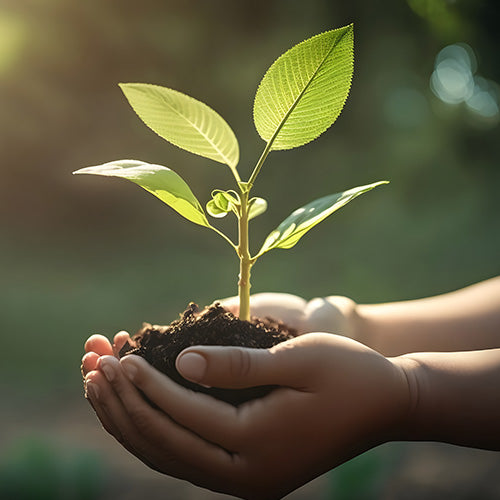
(160,345)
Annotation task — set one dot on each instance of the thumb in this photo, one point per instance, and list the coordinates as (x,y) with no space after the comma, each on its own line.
(334,314)
(238,367)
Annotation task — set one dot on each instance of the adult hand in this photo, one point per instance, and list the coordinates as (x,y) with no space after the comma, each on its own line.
(337,398)
(333,314)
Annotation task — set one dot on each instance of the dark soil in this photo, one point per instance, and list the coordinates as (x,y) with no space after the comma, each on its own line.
(160,345)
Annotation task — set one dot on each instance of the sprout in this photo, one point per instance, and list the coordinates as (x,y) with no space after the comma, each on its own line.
(299,98)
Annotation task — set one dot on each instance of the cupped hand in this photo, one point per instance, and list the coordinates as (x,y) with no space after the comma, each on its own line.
(336,398)
(98,345)
(333,314)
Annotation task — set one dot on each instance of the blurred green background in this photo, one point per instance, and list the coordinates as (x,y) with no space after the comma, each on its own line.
(80,255)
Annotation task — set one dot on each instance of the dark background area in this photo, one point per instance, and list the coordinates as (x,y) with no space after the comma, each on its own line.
(80,255)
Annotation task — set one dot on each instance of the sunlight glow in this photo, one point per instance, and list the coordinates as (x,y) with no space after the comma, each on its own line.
(454,81)
(12,40)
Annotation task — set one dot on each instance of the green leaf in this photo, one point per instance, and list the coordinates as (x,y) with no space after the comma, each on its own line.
(289,232)
(257,207)
(304,91)
(222,203)
(184,121)
(214,210)
(226,199)
(164,183)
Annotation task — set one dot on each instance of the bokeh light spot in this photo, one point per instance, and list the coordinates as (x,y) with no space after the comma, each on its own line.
(484,99)
(454,82)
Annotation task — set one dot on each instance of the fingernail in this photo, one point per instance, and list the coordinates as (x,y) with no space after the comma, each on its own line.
(92,390)
(129,368)
(108,371)
(192,366)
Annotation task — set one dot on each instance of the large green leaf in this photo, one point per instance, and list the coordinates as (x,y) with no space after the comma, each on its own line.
(160,181)
(184,121)
(289,232)
(305,89)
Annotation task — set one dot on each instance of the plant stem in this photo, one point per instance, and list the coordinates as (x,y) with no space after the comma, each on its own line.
(261,161)
(245,260)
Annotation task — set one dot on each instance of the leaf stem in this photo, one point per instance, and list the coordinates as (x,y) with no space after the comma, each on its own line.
(225,237)
(261,161)
(235,173)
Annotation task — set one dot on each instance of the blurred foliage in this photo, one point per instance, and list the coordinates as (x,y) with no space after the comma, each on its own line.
(363,477)
(33,469)
(80,255)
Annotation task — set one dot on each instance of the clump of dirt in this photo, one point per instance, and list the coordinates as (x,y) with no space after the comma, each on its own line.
(160,345)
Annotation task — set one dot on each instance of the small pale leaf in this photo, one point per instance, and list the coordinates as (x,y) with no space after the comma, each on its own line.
(289,232)
(215,210)
(305,89)
(225,199)
(160,181)
(257,207)
(222,203)
(184,121)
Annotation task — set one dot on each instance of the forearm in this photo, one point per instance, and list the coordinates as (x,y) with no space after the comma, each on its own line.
(468,319)
(454,397)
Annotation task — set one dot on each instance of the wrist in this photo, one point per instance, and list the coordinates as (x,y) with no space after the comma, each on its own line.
(392,399)
(453,397)
(365,326)
(405,421)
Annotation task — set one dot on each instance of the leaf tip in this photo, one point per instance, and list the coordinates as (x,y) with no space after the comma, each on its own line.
(125,88)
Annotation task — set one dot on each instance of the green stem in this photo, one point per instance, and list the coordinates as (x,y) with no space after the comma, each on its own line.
(235,174)
(261,161)
(245,260)
(224,236)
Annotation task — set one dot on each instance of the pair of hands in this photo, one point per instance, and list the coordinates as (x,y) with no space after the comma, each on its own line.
(337,398)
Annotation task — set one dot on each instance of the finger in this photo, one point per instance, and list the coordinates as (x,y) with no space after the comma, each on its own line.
(97,393)
(119,340)
(281,306)
(89,362)
(114,418)
(232,304)
(238,367)
(98,344)
(213,420)
(156,427)
(332,314)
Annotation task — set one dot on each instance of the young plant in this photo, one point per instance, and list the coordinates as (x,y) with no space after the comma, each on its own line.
(299,98)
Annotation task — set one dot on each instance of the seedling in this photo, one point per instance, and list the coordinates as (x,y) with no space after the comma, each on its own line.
(299,98)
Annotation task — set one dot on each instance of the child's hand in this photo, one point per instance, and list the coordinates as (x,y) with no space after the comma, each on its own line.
(336,399)
(98,345)
(334,314)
